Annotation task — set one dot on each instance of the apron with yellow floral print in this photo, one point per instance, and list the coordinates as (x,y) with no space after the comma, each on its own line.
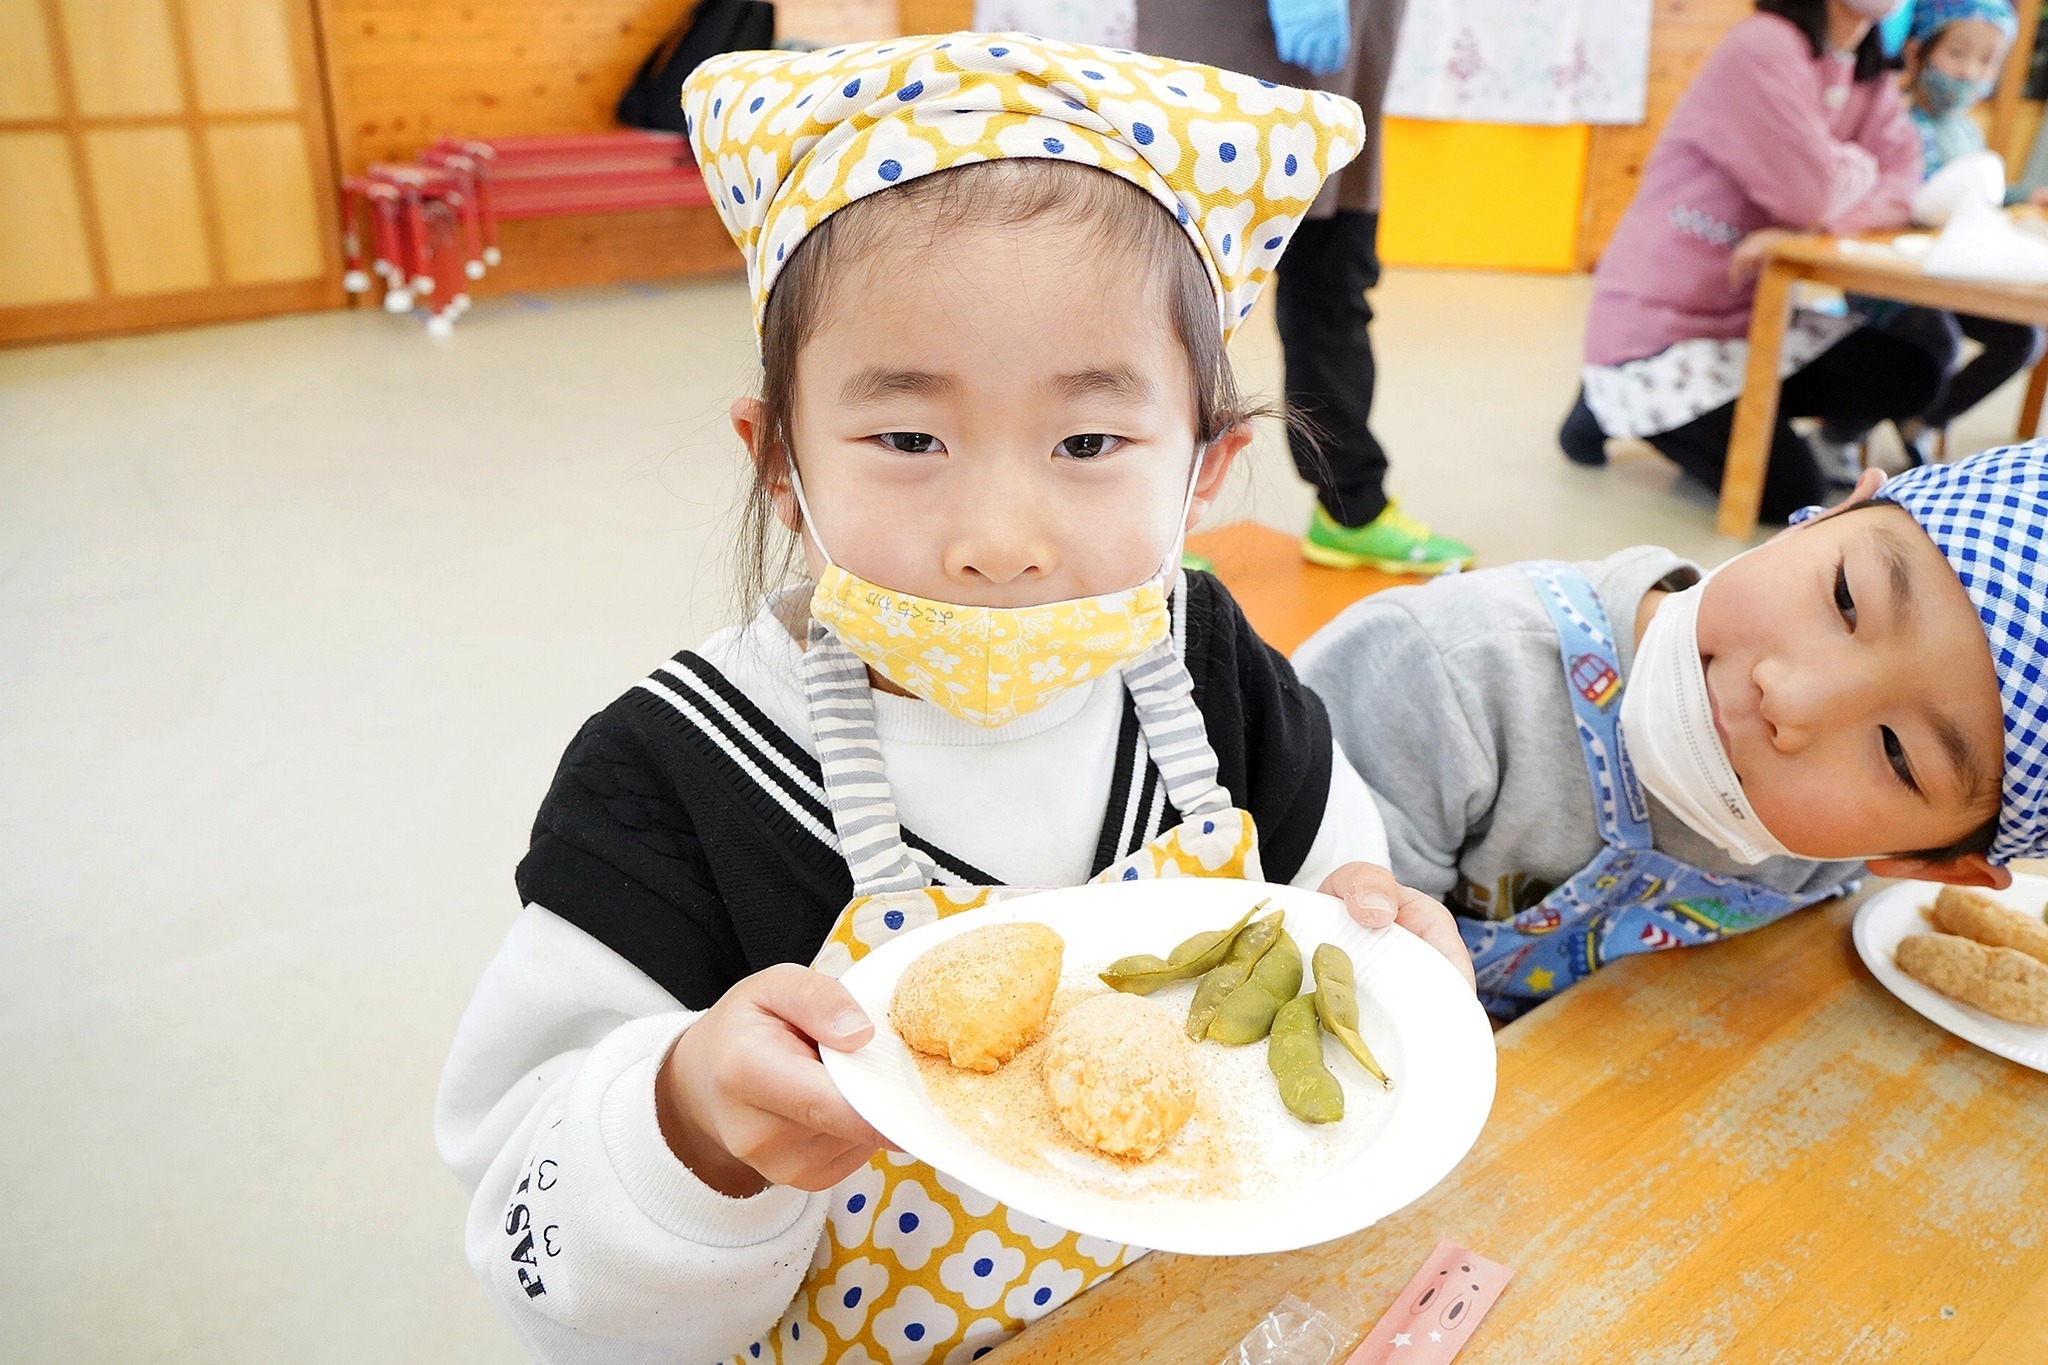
(913,1265)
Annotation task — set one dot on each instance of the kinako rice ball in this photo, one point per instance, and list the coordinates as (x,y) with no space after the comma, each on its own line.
(981,997)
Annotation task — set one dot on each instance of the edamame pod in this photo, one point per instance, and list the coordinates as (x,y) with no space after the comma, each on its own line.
(1146,973)
(1246,1014)
(1294,1054)
(1251,945)
(1196,946)
(1337,1007)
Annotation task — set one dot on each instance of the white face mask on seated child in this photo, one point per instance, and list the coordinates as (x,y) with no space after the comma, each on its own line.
(1667,721)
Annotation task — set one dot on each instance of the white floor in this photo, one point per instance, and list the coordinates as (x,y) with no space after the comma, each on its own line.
(295,618)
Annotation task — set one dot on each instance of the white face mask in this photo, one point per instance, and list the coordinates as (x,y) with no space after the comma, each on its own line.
(1876,11)
(1667,719)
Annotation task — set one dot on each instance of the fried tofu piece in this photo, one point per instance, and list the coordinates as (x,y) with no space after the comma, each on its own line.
(1999,981)
(1973,916)
(979,998)
(1121,1075)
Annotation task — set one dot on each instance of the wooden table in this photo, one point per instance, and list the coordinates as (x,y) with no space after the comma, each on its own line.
(1827,260)
(1743,1152)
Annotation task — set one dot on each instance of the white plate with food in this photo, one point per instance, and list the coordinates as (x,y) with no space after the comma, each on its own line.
(1998,959)
(1106,1118)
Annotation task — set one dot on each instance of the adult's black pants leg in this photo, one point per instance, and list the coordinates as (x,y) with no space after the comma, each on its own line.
(2009,347)
(1320,301)
(1867,377)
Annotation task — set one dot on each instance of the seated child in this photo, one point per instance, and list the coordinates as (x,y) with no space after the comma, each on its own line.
(1593,760)
(1953,56)
(993,279)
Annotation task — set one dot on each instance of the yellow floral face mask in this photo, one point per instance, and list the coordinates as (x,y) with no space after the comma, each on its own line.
(990,665)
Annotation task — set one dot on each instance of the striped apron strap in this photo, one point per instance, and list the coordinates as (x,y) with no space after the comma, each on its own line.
(1175,734)
(856,785)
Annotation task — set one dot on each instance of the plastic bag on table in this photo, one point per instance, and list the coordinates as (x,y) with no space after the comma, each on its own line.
(1292,1334)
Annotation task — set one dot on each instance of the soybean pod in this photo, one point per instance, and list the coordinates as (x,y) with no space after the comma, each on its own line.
(1146,973)
(1194,947)
(1294,1054)
(1337,1006)
(1236,968)
(1246,1014)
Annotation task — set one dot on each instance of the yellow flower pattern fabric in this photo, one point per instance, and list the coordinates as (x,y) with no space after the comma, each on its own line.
(989,666)
(915,1267)
(786,139)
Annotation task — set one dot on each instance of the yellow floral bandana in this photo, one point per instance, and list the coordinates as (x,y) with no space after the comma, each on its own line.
(785,139)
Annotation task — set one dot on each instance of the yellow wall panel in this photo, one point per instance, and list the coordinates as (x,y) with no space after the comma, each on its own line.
(28,84)
(42,231)
(269,227)
(122,61)
(148,200)
(241,55)
(1484,195)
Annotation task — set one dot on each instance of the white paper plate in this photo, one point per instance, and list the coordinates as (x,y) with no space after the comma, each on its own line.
(1894,912)
(1416,1013)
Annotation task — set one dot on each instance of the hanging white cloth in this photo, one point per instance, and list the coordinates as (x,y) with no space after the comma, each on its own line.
(1103,23)
(1523,61)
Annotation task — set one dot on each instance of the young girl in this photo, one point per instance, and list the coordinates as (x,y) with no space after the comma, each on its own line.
(994,397)
(1792,125)
(1953,52)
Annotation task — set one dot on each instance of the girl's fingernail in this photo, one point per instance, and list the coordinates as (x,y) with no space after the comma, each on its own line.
(1374,903)
(849,1023)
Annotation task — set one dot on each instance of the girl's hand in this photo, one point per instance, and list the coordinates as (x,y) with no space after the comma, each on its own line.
(2038,198)
(1748,256)
(743,1099)
(1376,900)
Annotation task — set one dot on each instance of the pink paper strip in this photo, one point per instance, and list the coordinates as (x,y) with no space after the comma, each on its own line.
(1438,1311)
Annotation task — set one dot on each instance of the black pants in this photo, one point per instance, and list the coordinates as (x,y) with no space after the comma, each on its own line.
(1867,377)
(1319,297)
(2009,347)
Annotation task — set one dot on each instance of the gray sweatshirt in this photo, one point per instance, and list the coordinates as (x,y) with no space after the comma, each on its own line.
(1450,700)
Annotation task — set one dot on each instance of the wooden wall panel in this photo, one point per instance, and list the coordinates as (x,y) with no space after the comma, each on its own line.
(169,163)
(404,72)
(242,56)
(43,256)
(2006,119)
(28,78)
(123,60)
(612,248)
(146,190)
(1682,33)
(269,224)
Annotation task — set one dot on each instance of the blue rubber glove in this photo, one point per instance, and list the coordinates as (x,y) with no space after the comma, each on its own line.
(1314,35)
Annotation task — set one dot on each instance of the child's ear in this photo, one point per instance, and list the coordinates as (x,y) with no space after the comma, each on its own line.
(771,466)
(1216,461)
(1971,869)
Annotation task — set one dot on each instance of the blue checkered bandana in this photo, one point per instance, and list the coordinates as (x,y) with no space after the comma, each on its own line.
(1930,17)
(1989,516)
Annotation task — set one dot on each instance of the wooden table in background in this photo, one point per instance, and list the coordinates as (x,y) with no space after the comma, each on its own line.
(1744,1152)
(1827,260)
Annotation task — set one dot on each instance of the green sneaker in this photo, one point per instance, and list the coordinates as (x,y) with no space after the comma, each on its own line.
(1195,563)
(1392,542)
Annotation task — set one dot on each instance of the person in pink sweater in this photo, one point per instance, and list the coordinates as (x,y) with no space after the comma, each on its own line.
(1793,125)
